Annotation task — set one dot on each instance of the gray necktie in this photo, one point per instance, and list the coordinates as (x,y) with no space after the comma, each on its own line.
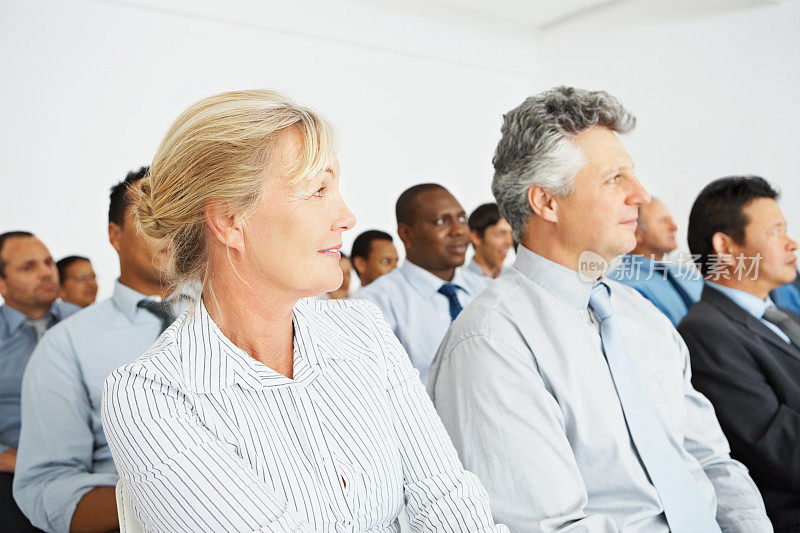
(686,508)
(163,310)
(785,322)
(39,325)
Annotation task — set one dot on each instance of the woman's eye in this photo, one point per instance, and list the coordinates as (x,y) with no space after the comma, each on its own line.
(616,179)
(319,193)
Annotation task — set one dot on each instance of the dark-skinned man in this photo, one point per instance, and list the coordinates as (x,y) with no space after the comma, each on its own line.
(422,297)
(65,473)
(29,286)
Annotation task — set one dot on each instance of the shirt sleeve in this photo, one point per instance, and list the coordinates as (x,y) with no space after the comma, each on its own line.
(509,430)
(440,495)
(740,507)
(180,475)
(56,445)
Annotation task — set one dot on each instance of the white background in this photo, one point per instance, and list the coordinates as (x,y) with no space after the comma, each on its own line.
(88,88)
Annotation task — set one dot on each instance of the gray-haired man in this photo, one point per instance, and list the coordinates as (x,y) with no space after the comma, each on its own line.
(568,394)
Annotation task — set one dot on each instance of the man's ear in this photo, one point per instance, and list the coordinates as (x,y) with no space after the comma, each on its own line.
(724,247)
(359,264)
(115,235)
(543,203)
(404,232)
(475,237)
(224,226)
(3,287)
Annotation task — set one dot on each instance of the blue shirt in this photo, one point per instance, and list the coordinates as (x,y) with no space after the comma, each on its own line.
(754,305)
(418,314)
(63,452)
(788,296)
(17,341)
(657,282)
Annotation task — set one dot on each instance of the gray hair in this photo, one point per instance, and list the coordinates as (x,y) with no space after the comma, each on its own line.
(536,147)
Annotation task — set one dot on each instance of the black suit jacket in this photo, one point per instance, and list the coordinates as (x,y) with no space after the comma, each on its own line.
(752,377)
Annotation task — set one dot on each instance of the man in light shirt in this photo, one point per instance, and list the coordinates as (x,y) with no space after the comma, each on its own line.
(65,474)
(29,286)
(373,255)
(745,351)
(422,297)
(491,238)
(568,395)
(672,288)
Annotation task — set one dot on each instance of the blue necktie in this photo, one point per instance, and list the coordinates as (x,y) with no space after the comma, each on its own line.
(686,507)
(449,290)
(161,309)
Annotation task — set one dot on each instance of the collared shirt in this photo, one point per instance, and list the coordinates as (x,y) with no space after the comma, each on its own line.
(788,296)
(754,306)
(650,279)
(17,341)
(63,452)
(524,390)
(206,438)
(418,314)
(474,267)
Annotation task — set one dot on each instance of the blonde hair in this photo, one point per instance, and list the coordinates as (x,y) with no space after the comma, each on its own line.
(222,148)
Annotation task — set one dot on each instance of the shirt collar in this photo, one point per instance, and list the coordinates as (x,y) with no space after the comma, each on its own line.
(14,319)
(750,303)
(426,283)
(212,362)
(562,282)
(127,299)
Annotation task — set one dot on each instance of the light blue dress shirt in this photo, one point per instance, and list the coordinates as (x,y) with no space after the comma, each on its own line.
(754,305)
(418,314)
(17,341)
(63,452)
(649,280)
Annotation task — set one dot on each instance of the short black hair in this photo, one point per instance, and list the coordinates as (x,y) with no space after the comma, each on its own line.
(120,200)
(485,215)
(718,208)
(3,238)
(63,264)
(362,246)
(404,209)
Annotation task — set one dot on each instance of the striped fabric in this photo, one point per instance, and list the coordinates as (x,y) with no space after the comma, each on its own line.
(209,439)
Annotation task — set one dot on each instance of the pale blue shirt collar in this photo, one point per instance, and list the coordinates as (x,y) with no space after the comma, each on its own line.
(127,299)
(556,279)
(754,305)
(426,283)
(14,318)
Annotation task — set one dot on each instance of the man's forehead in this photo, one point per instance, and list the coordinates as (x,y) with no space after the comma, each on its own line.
(23,248)
(436,201)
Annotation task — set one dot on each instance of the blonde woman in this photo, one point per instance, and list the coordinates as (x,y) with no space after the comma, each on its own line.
(257,411)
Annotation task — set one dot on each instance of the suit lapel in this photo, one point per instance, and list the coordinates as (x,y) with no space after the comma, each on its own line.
(736,313)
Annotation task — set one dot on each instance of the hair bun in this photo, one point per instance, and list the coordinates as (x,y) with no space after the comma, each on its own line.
(145,211)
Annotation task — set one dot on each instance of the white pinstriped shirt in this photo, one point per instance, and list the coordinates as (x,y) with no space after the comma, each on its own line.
(207,438)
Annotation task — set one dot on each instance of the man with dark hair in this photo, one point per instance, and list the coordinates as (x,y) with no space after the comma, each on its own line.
(491,238)
(65,474)
(566,393)
(672,288)
(373,255)
(745,351)
(78,280)
(422,297)
(29,286)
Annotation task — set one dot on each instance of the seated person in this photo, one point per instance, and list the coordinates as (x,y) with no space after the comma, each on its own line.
(78,281)
(672,288)
(344,289)
(745,351)
(420,299)
(29,286)
(491,238)
(788,296)
(262,410)
(569,396)
(65,474)
(373,255)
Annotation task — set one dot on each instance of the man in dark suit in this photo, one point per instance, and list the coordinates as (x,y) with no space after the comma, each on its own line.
(745,351)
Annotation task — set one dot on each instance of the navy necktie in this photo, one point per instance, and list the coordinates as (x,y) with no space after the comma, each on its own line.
(685,506)
(162,310)
(449,290)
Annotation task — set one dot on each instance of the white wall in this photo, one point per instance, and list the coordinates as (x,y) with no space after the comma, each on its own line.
(89,88)
(714,94)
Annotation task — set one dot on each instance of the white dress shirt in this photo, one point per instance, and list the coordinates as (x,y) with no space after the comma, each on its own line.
(209,439)
(418,314)
(524,390)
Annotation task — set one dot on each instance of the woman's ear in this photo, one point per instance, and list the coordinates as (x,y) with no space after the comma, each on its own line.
(543,203)
(224,226)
